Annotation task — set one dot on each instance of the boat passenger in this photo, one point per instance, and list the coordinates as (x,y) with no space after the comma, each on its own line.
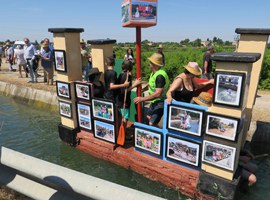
(158,85)
(184,85)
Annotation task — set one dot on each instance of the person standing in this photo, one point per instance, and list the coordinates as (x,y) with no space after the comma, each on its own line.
(110,78)
(19,59)
(160,51)
(85,57)
(1,52)
(207,64)
(47,62)
(46,41)
(10,56)
(129,55)
(158,85)
(29,56)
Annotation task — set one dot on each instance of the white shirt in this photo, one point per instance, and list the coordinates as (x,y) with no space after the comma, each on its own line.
(19,56)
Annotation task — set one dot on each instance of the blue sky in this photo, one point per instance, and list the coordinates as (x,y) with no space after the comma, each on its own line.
(177,19)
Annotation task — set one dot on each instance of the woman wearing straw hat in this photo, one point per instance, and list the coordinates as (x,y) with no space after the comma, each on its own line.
(184,85)
(158,85)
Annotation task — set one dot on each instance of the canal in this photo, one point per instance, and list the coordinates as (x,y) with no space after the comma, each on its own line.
(34,132)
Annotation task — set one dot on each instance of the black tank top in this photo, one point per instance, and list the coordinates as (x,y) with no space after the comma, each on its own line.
(184,95)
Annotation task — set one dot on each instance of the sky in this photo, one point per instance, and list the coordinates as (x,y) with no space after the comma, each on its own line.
(101,19)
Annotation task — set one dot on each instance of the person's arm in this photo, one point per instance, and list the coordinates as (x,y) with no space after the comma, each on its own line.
(135,84)
(117,86)
(177,83)
(205,65)
(160,83)
(198,86)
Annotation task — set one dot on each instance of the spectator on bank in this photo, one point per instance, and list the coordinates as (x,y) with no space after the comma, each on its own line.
(29,56)
(1,52)
(126,74)
(85,57)
(184,85)
(110,77)
(46,41)
(10,56)
(19,60)
(129,55)
(47,62)
(158,85)
(207,64)
(160,51)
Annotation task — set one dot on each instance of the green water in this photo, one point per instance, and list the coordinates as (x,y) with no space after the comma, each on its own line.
(34,132)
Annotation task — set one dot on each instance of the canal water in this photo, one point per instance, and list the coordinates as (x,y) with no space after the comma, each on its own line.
(34,132)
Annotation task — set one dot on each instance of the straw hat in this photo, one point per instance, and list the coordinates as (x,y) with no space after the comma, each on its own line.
(156,58)
(193,68)
(204,99)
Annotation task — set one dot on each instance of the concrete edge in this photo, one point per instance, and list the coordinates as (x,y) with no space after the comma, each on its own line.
(31,96)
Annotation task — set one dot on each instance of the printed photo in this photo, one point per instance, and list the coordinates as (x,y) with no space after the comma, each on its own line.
(148,140)
(228,88)
(103,109)
(219,155)
(144,11)
(105,131)
(65,109)
(223,127)
(60,60)
(84,116)
(182,150)
(82,91)
(185,120)
(63,89)
(125,7)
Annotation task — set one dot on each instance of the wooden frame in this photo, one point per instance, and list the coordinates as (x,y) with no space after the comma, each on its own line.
(84,116)
(229,88)
(219,155)
(185,120)
(182,150)
(60,60)
(222,126)
(63,89)
(148,140)
(105,131)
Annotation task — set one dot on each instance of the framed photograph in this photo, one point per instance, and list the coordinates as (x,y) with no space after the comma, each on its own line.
(229,88)
(84,116)
(65,109)
(144,11)
(148,140)
(103,109)
(82,91)
(185,120)
(182,150)
(219,155)
(63,89)
(105,131)
(222,127)
(60,60)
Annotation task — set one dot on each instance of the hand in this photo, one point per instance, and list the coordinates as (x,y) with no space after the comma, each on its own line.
(169,100)
(211,81)
(126,84)
(137,82)
(138,100)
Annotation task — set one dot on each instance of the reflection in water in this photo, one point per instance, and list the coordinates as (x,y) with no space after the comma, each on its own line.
(34,132)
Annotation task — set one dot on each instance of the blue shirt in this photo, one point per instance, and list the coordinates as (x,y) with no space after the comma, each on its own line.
(29,51)
(47,63)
